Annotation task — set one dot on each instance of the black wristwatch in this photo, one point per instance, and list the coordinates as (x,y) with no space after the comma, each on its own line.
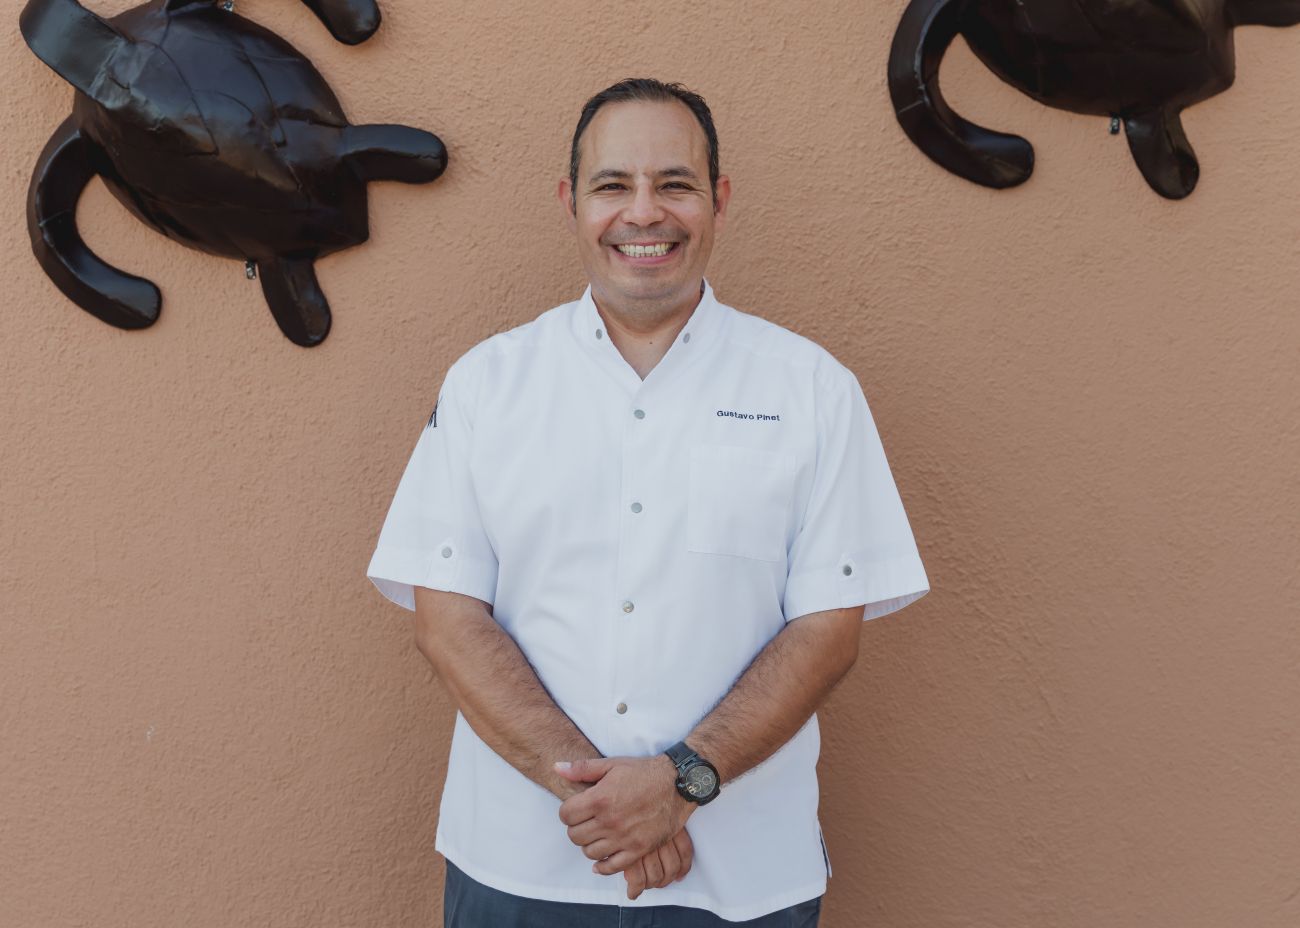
(697,779)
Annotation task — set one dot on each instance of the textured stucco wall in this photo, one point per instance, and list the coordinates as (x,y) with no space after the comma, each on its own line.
(1090,398)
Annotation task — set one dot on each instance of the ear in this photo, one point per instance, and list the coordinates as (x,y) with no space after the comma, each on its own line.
(564,193)
(721,197)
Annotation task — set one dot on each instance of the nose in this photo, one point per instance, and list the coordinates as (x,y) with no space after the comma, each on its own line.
(643,209)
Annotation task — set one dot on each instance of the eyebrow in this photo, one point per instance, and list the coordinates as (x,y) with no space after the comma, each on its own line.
(615,174)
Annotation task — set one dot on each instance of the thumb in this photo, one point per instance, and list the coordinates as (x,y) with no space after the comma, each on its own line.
(584,771)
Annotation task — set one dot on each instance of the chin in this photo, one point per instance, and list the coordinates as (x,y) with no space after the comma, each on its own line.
(653,294)
(650,285)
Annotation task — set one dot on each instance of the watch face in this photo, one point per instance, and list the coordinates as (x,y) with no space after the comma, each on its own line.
(700,781)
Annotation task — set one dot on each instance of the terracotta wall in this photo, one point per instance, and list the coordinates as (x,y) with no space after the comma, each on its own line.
(1090,397)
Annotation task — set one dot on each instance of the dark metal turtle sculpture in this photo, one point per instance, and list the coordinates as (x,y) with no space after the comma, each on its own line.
(1140,62)
(220,135)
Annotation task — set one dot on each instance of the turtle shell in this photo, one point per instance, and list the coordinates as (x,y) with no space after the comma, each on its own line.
(1105,57)
(223,136)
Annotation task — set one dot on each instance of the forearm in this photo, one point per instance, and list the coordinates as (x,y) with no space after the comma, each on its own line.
(778,692)
(496,689)
(632,808)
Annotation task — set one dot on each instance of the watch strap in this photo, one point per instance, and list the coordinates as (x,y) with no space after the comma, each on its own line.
(681,754)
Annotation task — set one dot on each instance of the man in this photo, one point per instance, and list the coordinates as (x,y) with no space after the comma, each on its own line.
(640,535)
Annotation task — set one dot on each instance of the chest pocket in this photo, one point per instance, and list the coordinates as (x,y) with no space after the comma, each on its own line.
(739,501)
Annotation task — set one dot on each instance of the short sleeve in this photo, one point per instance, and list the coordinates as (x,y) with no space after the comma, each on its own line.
(433,535)
(854,545)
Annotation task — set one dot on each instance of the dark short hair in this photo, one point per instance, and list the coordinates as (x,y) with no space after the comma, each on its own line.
(647,90)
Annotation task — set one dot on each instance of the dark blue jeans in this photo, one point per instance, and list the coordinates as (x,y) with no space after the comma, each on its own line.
(467,903)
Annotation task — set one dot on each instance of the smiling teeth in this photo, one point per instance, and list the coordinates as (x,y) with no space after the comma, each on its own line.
(646,251)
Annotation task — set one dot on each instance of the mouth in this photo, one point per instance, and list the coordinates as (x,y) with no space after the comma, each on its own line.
(647,252)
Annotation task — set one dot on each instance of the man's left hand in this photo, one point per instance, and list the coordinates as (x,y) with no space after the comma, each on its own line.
(660,868)
(632,809)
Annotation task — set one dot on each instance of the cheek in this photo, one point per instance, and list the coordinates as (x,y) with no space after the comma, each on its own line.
(592,229)
(699,222)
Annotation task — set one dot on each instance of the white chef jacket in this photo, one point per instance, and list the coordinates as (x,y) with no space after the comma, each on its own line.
(641,541)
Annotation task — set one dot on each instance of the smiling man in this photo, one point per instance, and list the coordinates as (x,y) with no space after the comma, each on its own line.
(640,536)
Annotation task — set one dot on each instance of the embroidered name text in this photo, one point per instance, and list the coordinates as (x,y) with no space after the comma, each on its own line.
(729,414)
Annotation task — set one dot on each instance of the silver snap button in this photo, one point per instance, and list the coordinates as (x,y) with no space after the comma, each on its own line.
(621,708)
(600,334)
(848,571)
(446,552)
(636,507)
(639,413)
(628,606)
(686,338)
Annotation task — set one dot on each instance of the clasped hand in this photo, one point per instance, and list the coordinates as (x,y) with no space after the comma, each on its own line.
(631,819)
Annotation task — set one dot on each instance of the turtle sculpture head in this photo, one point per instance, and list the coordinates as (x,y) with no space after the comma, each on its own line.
(1140,62)
(220,135)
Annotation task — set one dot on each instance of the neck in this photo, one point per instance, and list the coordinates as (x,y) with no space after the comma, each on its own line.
(644,336)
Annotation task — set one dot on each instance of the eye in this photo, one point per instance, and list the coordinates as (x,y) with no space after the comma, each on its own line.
(679,185)
(609,187)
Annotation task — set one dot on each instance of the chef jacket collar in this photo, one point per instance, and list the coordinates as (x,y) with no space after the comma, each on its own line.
(700,333)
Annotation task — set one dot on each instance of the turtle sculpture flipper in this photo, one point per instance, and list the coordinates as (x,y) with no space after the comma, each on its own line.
(994,159)
(64,168)
(51,28)
(296,299)
(388,152)
(349,21)
(1162,152)
(1264,12)
(62,172)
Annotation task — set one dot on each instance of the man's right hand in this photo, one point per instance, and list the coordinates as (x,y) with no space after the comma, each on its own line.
(660,867)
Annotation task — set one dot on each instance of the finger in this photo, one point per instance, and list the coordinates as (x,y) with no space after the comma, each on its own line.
(586,833)
(601,849)
(654,869)
(670,864)
(576,809)
(613,864)
(635,876)
(583,771)
(685,850)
